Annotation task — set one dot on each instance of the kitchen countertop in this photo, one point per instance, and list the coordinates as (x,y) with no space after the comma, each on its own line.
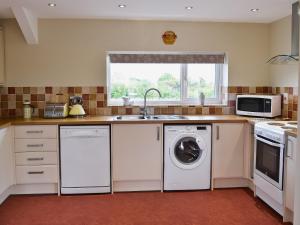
(4,123)
(111,119)
(292,133)
(253,120)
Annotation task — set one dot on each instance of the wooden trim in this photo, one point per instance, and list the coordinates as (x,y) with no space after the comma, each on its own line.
(233,182)
(35,189)
(128,186)
(288,215)
(4,195)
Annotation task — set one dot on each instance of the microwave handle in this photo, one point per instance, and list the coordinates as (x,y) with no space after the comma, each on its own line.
(268,142)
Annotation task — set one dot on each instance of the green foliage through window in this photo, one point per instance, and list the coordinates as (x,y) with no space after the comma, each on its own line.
(134,79)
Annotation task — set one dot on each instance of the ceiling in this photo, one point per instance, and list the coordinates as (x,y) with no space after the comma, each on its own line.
(203,10)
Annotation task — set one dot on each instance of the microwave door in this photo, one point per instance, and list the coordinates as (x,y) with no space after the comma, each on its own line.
(251,105)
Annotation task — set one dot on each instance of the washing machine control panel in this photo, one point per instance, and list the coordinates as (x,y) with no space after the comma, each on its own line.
(187,128)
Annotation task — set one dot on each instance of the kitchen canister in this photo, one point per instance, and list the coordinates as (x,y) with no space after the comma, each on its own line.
(27,109)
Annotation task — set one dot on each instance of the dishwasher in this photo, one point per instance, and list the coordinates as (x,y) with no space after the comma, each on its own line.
(85,159)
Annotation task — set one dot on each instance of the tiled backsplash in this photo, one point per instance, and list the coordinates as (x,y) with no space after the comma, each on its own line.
(95,101)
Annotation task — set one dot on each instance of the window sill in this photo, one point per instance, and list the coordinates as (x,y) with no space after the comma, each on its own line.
(171,105)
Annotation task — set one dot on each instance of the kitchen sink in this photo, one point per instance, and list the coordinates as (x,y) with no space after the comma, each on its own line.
(150,117)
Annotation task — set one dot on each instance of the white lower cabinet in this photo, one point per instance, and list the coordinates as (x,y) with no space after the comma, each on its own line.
(36,131)
(36,159)
(289,189)
(41,174)
(228,164)
(137,157)
(35,145)
(6,162)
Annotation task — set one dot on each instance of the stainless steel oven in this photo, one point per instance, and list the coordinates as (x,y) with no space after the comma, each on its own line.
(269,160)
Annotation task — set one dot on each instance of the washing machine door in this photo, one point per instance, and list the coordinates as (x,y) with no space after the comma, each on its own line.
(188,151)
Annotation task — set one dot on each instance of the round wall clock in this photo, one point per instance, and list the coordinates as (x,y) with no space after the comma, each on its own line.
(169,37)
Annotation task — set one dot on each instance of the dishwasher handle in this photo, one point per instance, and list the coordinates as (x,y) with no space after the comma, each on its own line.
(83,134)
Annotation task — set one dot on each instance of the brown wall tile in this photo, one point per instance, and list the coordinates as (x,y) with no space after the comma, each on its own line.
(245,90)
(100,89)
(41,97)
(34,97)
(92,97)
(4,97)
(232,89)
(95,101)
(128,111)
(48,90)
(11,90)
(78,90)
(259,90)
(85,97)
(19,98)
(71,90)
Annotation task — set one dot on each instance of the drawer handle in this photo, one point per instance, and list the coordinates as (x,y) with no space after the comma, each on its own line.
(35,145)
(218,132)
(35,172)
(35,159)
(34,132)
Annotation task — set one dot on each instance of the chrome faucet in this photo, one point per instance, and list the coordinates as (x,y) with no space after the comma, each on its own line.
(145,114)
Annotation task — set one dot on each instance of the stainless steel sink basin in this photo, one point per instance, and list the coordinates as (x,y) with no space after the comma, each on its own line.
(150,117)
(169,117)
(130,117)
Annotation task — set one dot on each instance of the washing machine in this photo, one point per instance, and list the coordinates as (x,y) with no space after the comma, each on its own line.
(187,157)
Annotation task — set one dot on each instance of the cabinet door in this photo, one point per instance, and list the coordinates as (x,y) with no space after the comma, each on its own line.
(2,70)
(228,150)
(6,159)
(137,152)
(290,173)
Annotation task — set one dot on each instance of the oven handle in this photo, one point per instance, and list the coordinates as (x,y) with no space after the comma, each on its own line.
(268,142)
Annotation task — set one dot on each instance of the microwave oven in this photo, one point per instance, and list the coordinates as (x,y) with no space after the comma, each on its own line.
(258,105)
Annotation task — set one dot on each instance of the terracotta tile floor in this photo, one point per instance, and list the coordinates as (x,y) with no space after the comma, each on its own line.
(220,207)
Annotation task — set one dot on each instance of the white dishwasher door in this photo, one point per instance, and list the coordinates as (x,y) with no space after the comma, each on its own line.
(85,159)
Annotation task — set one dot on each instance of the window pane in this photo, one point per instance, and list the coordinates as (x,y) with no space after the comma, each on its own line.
(201,78)
(133,79)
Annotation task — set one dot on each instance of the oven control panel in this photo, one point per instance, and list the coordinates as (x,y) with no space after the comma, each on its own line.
(270,135)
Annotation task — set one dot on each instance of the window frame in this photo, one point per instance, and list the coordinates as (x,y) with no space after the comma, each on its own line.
(184,100)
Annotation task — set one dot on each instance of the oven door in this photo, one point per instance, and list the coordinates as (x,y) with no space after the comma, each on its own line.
(269,160)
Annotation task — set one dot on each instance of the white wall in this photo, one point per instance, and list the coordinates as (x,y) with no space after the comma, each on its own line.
(72,52)
(297,175)
(280,43)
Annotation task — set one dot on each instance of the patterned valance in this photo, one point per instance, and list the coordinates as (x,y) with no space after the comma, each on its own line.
(166,58)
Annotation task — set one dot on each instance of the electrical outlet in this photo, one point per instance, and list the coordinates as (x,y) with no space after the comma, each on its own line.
(285,98)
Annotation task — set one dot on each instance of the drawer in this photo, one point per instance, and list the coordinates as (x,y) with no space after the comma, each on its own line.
(35,145)
(36,131)
(36,158)
(36,174)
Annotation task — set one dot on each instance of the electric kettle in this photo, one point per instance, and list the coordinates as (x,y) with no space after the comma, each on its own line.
(76,109)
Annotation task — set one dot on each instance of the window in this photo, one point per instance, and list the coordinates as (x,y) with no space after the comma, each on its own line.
(179,77)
